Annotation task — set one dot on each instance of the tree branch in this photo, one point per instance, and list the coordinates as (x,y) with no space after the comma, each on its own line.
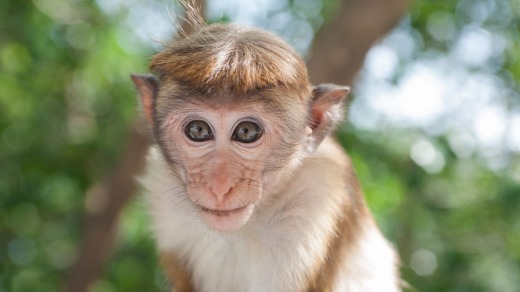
(104,205)
(341,46)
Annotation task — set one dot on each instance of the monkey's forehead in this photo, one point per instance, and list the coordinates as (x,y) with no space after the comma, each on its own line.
(233,58)
(276,100)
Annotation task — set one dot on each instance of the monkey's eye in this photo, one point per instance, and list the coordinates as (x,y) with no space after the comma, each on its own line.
(198,131)
(247,132)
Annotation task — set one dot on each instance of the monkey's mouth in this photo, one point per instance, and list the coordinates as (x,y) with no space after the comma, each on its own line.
(226,220)
(221,213)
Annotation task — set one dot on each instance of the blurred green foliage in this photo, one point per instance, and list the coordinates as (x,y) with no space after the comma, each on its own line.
(66,105)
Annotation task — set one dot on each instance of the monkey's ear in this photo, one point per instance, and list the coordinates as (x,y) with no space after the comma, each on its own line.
(326,112)
(147,85)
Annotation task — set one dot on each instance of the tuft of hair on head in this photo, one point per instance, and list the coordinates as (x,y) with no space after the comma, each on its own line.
(193,19)
(233,58)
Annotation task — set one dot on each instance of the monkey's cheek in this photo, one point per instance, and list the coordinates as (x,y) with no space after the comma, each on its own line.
(227,220)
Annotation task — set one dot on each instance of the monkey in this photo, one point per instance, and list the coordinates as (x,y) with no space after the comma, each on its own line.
(247,189)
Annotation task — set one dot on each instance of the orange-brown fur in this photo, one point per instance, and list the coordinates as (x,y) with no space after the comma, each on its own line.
(348,226)
(176,273)
(221,57)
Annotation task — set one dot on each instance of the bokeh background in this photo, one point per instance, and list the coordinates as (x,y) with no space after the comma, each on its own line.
(434,133)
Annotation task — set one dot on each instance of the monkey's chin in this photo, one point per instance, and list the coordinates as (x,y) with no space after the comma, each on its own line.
(226,220)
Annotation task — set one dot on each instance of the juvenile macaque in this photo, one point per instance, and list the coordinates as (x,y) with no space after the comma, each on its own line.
(247,191)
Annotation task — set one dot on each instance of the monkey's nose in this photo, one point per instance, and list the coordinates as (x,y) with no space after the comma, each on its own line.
(220,191)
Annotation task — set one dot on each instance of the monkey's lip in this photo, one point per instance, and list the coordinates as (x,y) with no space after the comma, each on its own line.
(221,213)
(226,219)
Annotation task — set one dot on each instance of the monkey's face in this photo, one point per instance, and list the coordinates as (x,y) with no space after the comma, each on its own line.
(229,159)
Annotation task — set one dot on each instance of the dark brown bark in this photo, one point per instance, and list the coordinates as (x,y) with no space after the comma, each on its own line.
(340,47)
